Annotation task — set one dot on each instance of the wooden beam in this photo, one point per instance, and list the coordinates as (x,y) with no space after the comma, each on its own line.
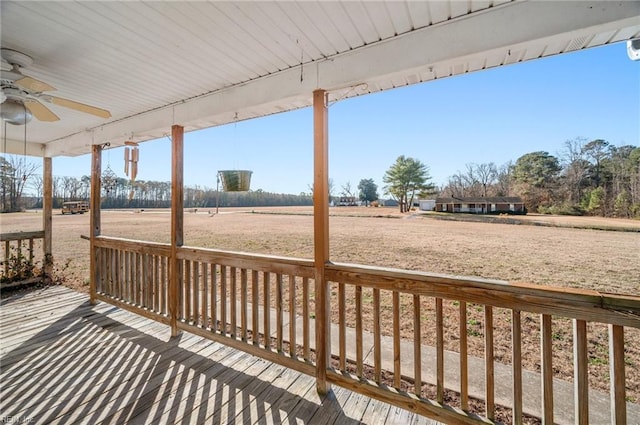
(177,220)
(321,236)
(94,220)
(47,211)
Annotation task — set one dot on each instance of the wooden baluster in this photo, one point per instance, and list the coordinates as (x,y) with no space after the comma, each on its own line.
(149,280)
(113,272)
(164,283)
(205,295)
(243,304)
(397,372)
(342,326)
(377,351)
(139,299)
(213,305)
(489,363)
(130,277)
(464,374)
(266,281)
(581,372)
(97,267)
(255,300)
(417,346)
(516,338)
(546,364)
(145,281)
(196,292)
(122,274)
(30,250)
(156,283)
(187,291)
(7,255)
(359,356)
(439,352)
(617,376)
(306,338)
(292,315)
(223,299)
(181,283)
(104,270)
(279,314)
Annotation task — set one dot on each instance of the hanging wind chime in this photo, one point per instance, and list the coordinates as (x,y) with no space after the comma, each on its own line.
(109,177)
(131,155)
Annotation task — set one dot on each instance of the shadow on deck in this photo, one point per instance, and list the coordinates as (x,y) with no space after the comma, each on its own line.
(64,361)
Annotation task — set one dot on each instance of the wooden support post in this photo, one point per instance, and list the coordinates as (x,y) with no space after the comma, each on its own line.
(177,220)
(321,237)
(96,172)
(47,211)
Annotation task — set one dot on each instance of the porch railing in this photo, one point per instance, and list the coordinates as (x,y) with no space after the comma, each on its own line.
(394,331)
(18,257)
(259,304)
(414,304)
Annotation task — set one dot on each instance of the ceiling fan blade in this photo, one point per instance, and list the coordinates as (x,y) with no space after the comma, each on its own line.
(103,113)
(41,112)
(34,85)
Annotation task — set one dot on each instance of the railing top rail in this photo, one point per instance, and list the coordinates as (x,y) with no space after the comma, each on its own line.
(303,266)
(247,256)
(260,262)
(144,247)
(17,236)
(568,302)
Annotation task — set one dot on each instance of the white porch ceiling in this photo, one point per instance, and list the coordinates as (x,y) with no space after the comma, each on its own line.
(198,64)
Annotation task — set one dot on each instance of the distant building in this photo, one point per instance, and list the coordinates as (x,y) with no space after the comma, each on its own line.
(479,205)
(347,201)
(427,204)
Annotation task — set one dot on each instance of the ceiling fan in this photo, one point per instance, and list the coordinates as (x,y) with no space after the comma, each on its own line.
(22,96)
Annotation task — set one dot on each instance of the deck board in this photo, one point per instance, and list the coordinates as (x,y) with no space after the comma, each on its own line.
(64,361)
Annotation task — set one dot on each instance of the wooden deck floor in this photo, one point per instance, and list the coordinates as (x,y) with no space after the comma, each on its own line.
(64,361)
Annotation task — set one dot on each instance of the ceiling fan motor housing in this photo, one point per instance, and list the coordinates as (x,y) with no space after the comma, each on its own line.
(15,112)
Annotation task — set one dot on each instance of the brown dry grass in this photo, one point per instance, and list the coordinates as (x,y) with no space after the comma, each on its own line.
(602,260)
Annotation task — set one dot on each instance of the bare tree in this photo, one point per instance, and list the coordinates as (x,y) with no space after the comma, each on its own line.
(485,175)
(575,168)
(15,173)
(346,190)
(37,184)
(504,179)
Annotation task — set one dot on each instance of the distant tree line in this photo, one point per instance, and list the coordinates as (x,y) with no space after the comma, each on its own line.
(14,176)
(586,178)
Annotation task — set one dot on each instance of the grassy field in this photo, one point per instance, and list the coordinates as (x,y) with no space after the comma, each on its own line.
(565,252)
(608,261)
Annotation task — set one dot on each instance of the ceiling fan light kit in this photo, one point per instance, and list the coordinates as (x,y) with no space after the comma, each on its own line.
(20,91)
(15,112)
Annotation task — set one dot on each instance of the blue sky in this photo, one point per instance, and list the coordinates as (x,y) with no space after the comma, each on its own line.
(495,115)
